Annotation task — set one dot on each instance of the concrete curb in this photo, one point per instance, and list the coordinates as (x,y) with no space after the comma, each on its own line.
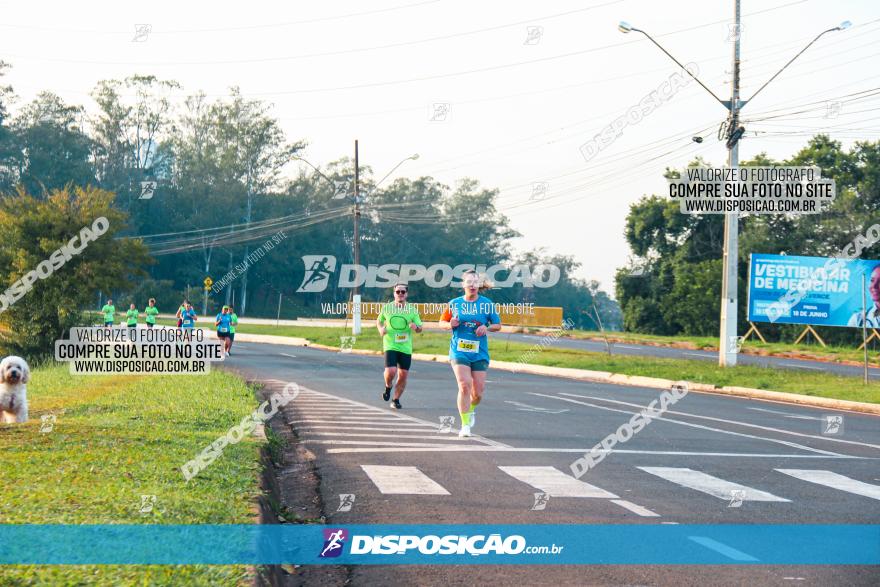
(607,377)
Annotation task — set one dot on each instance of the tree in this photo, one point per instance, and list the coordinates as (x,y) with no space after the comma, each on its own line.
(8,168)
(251,150)
(33,230)
(135,116)
(52,149)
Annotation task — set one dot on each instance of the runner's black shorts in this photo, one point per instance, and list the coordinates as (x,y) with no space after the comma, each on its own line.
(398,359)
(222,334)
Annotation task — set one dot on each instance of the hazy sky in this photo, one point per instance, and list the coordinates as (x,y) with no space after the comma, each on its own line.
(521,100)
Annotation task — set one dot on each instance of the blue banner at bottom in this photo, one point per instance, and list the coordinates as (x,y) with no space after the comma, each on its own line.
(642,544)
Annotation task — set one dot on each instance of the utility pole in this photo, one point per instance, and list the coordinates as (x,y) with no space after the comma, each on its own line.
(356,244)
(727,338)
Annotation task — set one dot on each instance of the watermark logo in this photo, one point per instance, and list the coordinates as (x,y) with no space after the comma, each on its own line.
(264,412)
(447,423)
(734,32)
(533,35)
(735,343)
(341,188)
(541,500)
(47,423)
(252,258)
(629,429)
(147,504)
(346,502)
(142,33)
(439,112)
(832,109)
(540,190)
(736,498)
(334,540)
(148,188)
(319,268)
(346,343)
(832,424)
(56,260)
(635,113)
(317,274)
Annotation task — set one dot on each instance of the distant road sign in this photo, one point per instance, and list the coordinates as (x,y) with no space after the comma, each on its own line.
(208,283)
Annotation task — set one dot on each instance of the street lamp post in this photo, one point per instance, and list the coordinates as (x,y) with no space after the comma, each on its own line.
(356,244)
(727,348)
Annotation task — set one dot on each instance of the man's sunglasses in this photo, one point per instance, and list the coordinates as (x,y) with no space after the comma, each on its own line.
(400,291)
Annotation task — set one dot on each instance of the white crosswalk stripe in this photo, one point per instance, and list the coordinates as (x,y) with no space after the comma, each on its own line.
(835,481)
(711,485)
(554,482)
(396,480)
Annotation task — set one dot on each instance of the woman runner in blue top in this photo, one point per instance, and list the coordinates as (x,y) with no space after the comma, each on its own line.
(223,322)
(470,318)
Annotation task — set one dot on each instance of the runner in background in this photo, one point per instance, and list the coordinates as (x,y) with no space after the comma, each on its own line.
(396,323)
(179,314)
(131,317)
(151,311)
(233,322)
(470,317)
(109,311)
(188,316)
(222,322)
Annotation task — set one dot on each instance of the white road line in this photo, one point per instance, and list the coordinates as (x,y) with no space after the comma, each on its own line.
(402,480)
(376,443)
(527,408)
(553,481)
(737,422)
(372,422)
(287,355)
(615,451)
(835,481)
(335,412)
(786,414)
(796,366)
(711,485)
(722,548)
(397,434)
(698,355)
(349,418)
(636,509)
(433,425)
(308,429)
(626,346)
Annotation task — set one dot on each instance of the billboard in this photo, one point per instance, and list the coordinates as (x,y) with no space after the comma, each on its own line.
(820,291)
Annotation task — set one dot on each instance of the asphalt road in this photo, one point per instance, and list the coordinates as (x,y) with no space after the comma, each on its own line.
(710,459)
(677,353)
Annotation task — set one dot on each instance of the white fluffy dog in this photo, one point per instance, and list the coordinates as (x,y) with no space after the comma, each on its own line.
(14,375)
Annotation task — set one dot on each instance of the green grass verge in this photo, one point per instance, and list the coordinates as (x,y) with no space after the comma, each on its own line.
(115,439)
(792,381)
(751,346)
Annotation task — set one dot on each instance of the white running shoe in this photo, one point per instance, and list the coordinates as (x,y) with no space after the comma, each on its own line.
(465,431)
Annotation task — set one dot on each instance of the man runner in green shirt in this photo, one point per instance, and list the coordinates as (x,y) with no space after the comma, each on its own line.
(151,311)
(109,310)
(131,317)
(396,322)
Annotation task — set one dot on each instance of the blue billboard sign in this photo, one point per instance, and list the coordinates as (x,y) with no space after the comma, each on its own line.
(819,291)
